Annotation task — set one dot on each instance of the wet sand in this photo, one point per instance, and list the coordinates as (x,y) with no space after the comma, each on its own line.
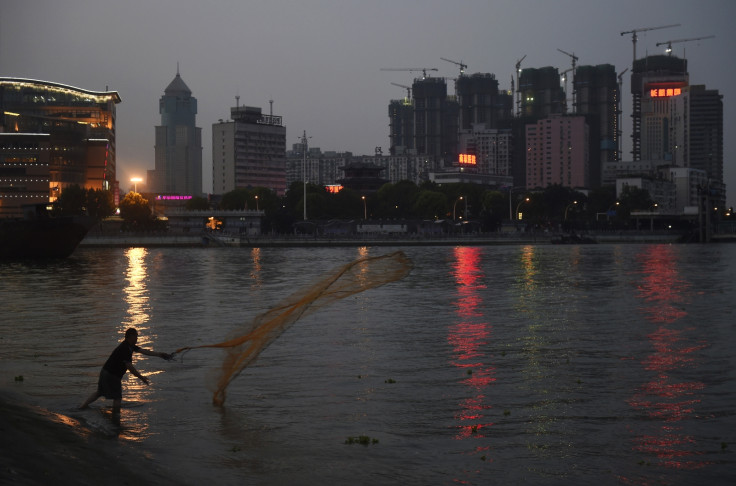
(38,447)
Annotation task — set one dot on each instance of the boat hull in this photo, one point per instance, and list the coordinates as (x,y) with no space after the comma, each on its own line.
(55,237)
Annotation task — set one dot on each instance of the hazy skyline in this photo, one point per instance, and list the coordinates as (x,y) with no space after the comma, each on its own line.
(320,60)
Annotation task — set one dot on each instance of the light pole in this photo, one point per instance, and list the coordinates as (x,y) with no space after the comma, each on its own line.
(135,181)
(365,208)
(519,205)
(454,206)
(568,207)
(256,203)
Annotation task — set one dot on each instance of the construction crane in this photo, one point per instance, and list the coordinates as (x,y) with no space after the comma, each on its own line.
(423,70)
(634,32)
(670,42)
(462,66)
(574,90)
(518,94)
(407,88)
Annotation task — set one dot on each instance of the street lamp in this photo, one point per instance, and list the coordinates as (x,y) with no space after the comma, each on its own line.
(454,206)
(135,181)
(365,208)
(519,205)
(568,207)
(256,203)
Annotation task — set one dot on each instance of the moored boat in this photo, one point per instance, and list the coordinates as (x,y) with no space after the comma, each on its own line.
(41,235)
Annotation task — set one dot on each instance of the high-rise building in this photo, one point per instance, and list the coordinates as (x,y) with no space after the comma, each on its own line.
(557,152)
(430,111)
(598,99)
(53,136)
(657,83)
(401,126)
(706,131)
(249,151)
(178,150)
(541,93)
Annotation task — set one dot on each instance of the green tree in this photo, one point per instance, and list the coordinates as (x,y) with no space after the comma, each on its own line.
(430,205)
(71,201)
(197,203)
(74,200)
(135,211)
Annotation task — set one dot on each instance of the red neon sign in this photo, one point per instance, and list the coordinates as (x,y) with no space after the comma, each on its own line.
(467,159)
(664,92)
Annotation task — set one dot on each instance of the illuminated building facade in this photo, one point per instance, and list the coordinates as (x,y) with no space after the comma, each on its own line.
(658,113)
(53,136)
(178,149)
(249,151)
(557,152)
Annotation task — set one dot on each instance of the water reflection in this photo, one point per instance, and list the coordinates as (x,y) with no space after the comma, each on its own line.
(470,341)
(665,398)
(136,294)
(255,273)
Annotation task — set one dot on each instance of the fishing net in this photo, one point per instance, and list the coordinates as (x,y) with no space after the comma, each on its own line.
(246,343)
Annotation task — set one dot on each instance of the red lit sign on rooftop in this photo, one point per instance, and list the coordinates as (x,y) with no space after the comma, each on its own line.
(466,159)
(664,92)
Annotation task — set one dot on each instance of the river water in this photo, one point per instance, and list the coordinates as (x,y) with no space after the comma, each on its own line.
(486,365)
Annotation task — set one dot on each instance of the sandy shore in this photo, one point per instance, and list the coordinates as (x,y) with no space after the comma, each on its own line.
(38,447)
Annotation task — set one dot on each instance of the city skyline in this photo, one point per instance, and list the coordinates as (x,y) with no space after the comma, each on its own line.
(320,61)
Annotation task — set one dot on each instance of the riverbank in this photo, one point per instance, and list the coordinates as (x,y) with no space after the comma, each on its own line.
(39,447)
(151,241)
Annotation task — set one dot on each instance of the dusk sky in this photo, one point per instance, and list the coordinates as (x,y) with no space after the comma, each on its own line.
(320,60)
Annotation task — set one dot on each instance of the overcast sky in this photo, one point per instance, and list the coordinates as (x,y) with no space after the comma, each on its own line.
(320,60)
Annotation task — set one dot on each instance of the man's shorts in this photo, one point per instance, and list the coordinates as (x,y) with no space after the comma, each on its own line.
(110,386)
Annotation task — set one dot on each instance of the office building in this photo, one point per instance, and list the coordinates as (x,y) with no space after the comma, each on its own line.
(178,150)
(659,122)
(53,136)
(249,151)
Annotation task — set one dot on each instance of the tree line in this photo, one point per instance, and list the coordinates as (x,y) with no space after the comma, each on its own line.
(554,207)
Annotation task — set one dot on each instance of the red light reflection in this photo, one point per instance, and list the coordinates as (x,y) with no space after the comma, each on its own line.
(469,338)
(663,398)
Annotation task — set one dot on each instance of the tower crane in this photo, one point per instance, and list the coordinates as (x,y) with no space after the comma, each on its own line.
(462,66)
(574,90)
(644,29)
(423,70)
(670,42)
(407,88)
(518,94)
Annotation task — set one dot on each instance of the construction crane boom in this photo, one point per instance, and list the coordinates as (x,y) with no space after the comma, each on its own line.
(574,90)
(670,42)
(461,64)
(423,70)
(407,88)
(518,88)
(644,29)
